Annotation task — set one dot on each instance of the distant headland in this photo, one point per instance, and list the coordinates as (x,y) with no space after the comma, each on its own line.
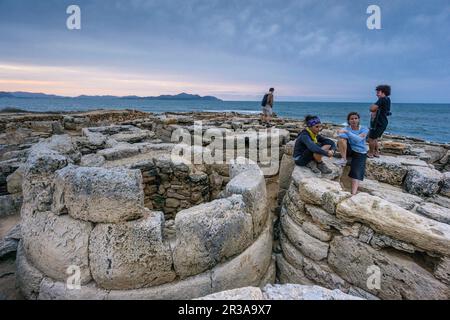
(181,96)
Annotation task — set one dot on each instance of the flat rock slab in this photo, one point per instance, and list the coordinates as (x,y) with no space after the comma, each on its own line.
(98,194)
(394,221)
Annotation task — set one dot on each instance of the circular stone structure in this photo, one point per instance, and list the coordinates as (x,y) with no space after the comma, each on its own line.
(91,228)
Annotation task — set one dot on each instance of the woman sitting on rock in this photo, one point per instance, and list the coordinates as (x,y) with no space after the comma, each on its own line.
(352,144)
(310,147)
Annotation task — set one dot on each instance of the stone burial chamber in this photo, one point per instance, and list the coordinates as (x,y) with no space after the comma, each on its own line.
(390,241)
(93,229)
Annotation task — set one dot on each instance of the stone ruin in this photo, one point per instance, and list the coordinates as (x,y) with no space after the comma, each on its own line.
(101,195)
(137,223)
(398,225)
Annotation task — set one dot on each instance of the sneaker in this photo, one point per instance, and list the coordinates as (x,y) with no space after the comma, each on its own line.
(323,168)
(313,166)
(341,162)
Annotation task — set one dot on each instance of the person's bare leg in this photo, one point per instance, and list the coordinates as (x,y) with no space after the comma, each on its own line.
(342,145)
(318,157)
(371,148)
(376,147)
(355,185)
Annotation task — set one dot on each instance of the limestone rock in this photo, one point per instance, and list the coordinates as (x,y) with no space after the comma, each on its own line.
(287,273)
(401,277)
(391,220)
(313,230)
(252,186)
(28,278)
(99,194)
(313,190)
(246,293)
(92,160)
(246,269)
(302,292)
(286,167)
(54,243)
(14,181)
(10,204)
(423,181)
(131,255)
(210,233)
(241,164)
(119,151)
(435,212)
(446,184)
(386,169)
(189,288)
(53,290)
(442,270)
(309,246)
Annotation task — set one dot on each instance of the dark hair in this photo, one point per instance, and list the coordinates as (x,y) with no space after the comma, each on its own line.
(352,114)
(310,117)
(385,89)
(271,90)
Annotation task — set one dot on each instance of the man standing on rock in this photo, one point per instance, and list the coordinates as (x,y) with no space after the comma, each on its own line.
(267,104)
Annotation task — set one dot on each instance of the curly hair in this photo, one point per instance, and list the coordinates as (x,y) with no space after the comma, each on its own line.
(386,89)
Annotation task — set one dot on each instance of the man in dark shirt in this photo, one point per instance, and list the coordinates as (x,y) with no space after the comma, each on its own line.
(379,119)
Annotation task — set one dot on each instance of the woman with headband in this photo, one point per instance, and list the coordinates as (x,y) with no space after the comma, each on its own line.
(310,147)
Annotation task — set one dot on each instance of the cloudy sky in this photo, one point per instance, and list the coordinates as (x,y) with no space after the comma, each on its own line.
(309,50)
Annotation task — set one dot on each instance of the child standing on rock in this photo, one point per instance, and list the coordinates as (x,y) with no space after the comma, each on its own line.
(379,119)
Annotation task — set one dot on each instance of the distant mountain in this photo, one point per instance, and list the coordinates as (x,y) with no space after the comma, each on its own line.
(181,96)
(6,95)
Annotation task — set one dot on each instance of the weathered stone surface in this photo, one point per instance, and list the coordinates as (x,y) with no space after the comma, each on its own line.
(189,288)
(318,191)
(241,164)
(294,206)
(324,219)
(318,273)
(386,169)
(53,290)
(119,151)
(358,292)
(301,173)
(401,277)
(28,278)
(379,241)
(442,270)
(446,184)
(54,243)
(131,255)
(395,147)
(99,194)
(440,201)
(246,293)
(313,230)
(252,186)
(95,139)
(7,246)
(286,167)
(309,246)
(287,273)
(43,160)
(92,160)
(248,268)
(271,273)
(10,204)
(133,137)
(14,181)
(435,212)
(302,292)
(209,233)
(391,220)
(405,200)
(423,181)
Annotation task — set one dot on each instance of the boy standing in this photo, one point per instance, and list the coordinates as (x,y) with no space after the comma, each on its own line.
(379,119)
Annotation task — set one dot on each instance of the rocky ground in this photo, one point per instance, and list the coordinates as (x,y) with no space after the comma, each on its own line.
(412,174)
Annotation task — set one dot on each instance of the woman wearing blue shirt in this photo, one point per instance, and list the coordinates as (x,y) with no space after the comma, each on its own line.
(352,144)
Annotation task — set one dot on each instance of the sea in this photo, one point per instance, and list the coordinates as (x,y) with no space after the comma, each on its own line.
(430,122)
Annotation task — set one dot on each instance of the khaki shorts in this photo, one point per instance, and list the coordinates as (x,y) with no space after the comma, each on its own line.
(267,111)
